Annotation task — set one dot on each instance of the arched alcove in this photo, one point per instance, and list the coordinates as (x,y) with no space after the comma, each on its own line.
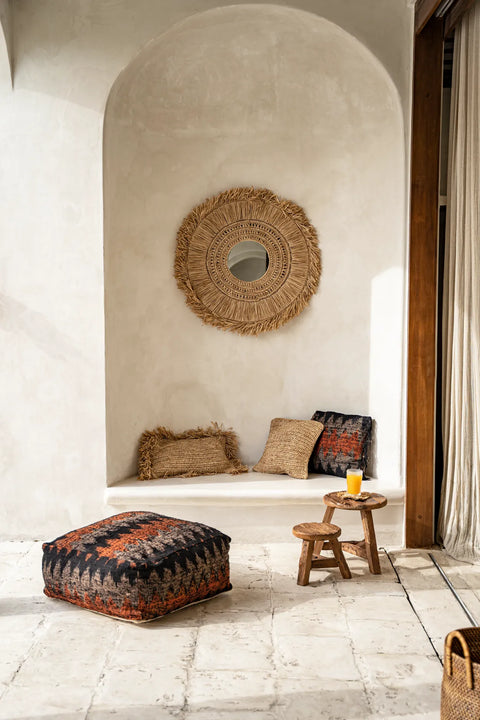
(6,49)
(272,97)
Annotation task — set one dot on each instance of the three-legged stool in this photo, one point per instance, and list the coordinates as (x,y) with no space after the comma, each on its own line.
(366,548)
(327,535)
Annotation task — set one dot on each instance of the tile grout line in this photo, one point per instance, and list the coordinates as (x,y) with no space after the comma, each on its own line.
(453,591)
(101,674)
(274,704)
(189,668)
(407,595)
(23,555)
(356,659)
(36,632)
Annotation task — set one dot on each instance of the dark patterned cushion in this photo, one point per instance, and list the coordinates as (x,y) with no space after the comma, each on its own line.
(137,565)
(344,442)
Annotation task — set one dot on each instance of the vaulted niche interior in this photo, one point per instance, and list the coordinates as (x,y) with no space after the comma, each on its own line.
(269,97)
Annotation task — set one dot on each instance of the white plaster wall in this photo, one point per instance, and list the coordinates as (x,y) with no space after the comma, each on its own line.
(270,97)
(52,375)
(6,43)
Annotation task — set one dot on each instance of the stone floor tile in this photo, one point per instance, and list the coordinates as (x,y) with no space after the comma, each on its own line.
(49,664)
(19,547)
(360,570)
(395,608)
(230,690)
(282,601)
(15,605)
(249,566)
(321,699)
(78,635)
(283,556)
(380,636)
(23,574)
(247,577)
(230,715)
(438,611)
(392,670)
(417,699)
(239,600)
(354,588)
(416,570)
(462,575)
(133,712)
(22,583)
(249,554)
(401,715)
(192,616)
(439,645)
(472,601)
(315,616)
(284,578)
(162,645)
(239,618)
(232,646)
(402,684)
(301,656)
(142,684)
(16,641)
(59,702)
(320,581)
(306,651)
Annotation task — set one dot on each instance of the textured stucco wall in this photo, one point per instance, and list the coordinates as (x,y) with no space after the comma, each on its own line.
(6,43)
(270,97)
(67,57)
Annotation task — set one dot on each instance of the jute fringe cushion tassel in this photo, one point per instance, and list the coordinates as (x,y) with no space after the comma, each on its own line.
(461,675)
(214,227)
(200,451)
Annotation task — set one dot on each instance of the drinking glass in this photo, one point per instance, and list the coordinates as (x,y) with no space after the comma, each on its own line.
(354,481)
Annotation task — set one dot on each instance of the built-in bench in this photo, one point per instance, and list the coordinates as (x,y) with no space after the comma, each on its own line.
(255,507)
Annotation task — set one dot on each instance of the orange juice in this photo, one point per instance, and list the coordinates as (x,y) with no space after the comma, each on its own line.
(354,481)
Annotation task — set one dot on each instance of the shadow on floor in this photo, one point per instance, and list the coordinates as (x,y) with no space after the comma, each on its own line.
(33,605)
(325,704)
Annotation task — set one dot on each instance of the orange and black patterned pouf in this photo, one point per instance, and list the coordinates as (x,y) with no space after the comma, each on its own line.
(137,565)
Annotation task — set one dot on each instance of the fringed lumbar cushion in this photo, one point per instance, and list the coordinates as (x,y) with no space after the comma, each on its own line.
(289,446)
(137,565)
(344,442)
(209,451)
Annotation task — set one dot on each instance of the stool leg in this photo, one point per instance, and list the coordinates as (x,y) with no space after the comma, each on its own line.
(340,558)
(305,564)
(370,542)
(326,519)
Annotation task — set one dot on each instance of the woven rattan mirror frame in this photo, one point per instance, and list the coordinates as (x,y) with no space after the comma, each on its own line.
(205,239)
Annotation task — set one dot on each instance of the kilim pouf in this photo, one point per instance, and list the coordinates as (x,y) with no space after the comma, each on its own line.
(137,565)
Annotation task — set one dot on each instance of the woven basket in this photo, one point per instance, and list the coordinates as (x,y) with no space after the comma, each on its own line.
(461,675)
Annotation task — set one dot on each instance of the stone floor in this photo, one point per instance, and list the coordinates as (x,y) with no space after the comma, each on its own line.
(338,649)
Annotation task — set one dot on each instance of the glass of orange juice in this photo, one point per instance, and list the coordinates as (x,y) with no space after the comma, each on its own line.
(354,481)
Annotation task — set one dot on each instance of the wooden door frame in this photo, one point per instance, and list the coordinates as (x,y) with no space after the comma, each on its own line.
(422,322)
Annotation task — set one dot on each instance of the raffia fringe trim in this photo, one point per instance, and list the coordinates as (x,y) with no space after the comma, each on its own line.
(150,438)
(299,297)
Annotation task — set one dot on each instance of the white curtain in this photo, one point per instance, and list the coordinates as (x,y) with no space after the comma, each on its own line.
(459,518)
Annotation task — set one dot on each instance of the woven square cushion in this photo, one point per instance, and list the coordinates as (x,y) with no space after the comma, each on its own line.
(137,565)
(289,446)
(208,451)
(344,442)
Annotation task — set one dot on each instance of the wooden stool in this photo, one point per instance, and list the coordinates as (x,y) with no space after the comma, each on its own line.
(366,548)
(327,534)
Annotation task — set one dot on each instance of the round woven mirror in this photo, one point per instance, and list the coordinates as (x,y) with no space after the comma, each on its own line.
(247,260)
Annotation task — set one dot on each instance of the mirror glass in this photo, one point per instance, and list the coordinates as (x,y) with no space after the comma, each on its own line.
(248,260)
